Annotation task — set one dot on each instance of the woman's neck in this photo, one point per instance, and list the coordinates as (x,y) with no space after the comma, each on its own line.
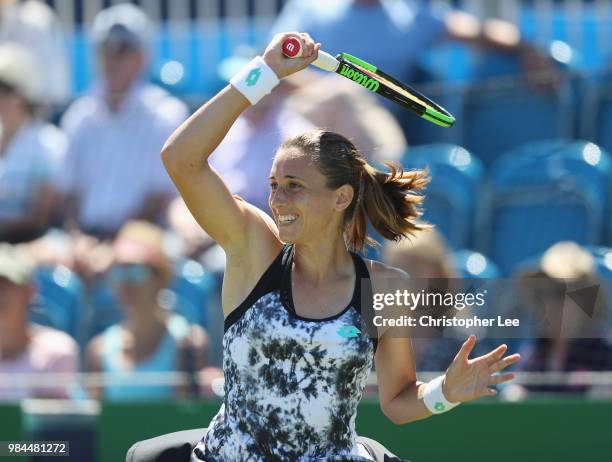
(321,260)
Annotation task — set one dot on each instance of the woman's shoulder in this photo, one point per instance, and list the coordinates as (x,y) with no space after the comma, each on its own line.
(384,277)
(380,271)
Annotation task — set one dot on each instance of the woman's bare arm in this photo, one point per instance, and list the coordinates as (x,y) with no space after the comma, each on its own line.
(402,396)
(228,221)
(185,156)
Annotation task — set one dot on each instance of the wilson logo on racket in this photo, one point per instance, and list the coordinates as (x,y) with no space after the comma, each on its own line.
(375,80)
(362,79)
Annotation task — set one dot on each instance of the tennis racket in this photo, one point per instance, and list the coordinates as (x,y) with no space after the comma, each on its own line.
(376,81)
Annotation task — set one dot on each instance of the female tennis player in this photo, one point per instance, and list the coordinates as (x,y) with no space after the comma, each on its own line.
(295,362)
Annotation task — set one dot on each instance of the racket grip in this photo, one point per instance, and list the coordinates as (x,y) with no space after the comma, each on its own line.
(292,48)
(326,62)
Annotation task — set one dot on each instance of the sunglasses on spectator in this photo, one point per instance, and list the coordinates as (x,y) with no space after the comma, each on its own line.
(134,273)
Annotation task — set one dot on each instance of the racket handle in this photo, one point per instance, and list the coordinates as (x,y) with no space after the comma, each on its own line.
(326,62)
(292,48)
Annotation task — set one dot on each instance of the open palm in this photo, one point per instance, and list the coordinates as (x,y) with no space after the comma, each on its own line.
(468,379)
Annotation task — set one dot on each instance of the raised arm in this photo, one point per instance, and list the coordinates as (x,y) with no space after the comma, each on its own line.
(228,220)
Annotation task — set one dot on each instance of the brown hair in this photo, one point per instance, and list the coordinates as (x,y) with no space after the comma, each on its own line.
(390,201)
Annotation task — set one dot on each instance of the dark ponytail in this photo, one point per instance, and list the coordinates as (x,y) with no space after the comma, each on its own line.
(390,201)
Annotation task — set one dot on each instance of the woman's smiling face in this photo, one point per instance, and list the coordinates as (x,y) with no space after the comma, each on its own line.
(302,205)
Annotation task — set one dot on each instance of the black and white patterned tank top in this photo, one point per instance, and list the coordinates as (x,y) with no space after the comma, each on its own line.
(292,384)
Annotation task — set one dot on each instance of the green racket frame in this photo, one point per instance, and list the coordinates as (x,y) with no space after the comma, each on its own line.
(352,68)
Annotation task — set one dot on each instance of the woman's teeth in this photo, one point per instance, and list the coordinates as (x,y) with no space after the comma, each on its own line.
(286,219)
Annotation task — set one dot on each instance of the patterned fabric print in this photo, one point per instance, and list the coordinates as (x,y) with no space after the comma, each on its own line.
(291,387)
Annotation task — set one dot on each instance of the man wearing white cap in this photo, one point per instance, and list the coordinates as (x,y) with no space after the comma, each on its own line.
(113,171)
(35,26)
(25,348)
(30,150)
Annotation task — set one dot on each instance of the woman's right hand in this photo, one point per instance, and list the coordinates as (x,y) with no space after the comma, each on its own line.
(284,66)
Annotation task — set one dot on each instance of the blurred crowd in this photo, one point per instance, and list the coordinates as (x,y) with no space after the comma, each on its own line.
(102,267)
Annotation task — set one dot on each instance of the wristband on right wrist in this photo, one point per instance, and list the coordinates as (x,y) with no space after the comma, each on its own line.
(255,80)
(434,398)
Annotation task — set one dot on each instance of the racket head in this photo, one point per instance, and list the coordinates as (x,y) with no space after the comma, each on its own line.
(398,92)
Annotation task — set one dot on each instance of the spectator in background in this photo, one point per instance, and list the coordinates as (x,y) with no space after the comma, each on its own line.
(395,34)
(192,240)
(113,172)
(423,256)
(343,107)
(30,150)
(28,348)
(573,332)
(194,243)
(150,338)
(35,26)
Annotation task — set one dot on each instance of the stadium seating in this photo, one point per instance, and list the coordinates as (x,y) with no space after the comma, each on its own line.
(596,110)
(603,260)
(59,299)
(192,288)
(498,119)
(534,200)
(188,295)
(501,110)
(451,195)
(104,308)
(471,264)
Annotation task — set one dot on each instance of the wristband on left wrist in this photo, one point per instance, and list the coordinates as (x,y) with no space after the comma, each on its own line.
(434,398)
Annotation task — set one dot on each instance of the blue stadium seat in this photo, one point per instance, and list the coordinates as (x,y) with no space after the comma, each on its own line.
(535,149)
(451,196)
(603,258)
(472,265)
(499,119)
(192,287)
(501,110)
(538,199)
(597,110)
(104,307)
(59,300)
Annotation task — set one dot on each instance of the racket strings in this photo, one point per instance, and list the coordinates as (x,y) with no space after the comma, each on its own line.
(392,86)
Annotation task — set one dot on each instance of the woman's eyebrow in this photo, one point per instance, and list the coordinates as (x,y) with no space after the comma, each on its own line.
(291,177)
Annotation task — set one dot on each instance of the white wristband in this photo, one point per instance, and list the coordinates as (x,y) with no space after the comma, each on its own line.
(434,399)
(255,80)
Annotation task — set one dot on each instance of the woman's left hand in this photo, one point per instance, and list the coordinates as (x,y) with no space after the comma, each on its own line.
(468,379)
